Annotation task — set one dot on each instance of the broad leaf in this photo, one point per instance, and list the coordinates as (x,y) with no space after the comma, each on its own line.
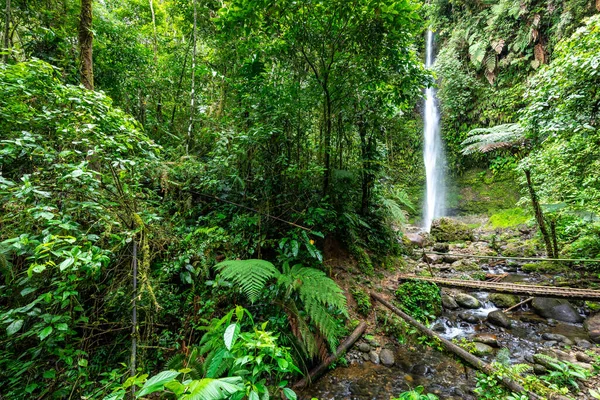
(157,382)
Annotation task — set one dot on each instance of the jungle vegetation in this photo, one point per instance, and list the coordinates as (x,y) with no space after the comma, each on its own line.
(175,174)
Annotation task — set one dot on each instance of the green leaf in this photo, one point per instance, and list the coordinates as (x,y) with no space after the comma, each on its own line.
(157,382)
(231,335)
(253,396)
(82,362)
(62,327)
(14,327)
(28,290)
(66,263)
(289,394)
(45,332)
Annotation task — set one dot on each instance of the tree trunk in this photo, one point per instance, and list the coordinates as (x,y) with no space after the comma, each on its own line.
(86,39)
(6,35)
(193,88)
(539,216)
(554,239)
(364,151)
(327,140)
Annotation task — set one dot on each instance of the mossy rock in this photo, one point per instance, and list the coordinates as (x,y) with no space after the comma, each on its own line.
(503,300)
(510,218)
(465,266)
(449,230)
(518,248)
(542,267)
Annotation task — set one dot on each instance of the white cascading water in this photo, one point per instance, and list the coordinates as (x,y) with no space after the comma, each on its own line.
(433,153)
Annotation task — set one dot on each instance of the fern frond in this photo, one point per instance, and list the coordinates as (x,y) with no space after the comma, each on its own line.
(483,140)
(315,285)
(249,275)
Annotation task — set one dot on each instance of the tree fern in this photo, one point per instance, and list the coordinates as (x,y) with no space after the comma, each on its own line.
(483,140)
(249,275)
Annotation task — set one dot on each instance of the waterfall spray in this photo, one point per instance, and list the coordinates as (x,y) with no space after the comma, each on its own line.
(433,152)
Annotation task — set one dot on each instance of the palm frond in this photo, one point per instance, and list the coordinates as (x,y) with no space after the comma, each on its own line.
(483,140)
(249,275)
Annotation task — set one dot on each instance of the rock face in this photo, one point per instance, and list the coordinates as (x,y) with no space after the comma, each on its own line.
(504,300)
(558,309)
(449,230)
(592,326)
(498,318)
(386,357)
(448,302)
(467,301)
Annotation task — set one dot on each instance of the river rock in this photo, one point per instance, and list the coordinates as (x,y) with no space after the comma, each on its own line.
(449,230)
(467,301)
(482,349)
(539,369)
(450,259)
(584,344)
(465,266)
(470,318)
(558,309)
(448,302)
(486,338)
(387,358)
(556,337)
(441,247)
(503,300)
(592,326)
(498,318)
(374,357)
(364,347)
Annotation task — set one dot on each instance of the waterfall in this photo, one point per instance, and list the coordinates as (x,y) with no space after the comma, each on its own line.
(433,153)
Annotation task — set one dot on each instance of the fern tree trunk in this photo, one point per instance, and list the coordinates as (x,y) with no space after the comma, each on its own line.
(86,39)
(539,216)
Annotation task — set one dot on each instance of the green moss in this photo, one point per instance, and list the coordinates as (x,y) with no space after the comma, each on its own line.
(450,230)
(518,248)
(509,218)
(466,266)
(503,300)
(479,191)
(542,267)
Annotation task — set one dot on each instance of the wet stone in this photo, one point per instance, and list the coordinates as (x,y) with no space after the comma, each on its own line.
(467,301)
(448,302)
(374,357)
(387,358)
(482,349)
(364,347)
(498,318)
(557,309)
(441,247)
(470,318)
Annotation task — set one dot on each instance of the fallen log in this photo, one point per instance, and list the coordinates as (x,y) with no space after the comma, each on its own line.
(527,300)
(460,352)
(321,368)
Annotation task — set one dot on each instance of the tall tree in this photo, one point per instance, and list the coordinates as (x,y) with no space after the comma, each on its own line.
(86,39)
(6,46)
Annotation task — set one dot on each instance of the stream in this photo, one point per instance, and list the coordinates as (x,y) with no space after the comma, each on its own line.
(438,372)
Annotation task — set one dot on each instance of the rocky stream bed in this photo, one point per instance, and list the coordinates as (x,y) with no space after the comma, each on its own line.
(379,367)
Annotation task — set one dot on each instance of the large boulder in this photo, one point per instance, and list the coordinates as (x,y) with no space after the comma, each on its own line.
(415,239)
(592,326)
(498,318)
(449,230)
(558,309)
(467,301)
(503,300)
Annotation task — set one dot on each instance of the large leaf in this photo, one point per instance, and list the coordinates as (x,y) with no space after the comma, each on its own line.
(157,382)
(14,327)
(213,389)
(231,334)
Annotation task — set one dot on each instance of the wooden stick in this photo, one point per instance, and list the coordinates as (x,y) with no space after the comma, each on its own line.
(451,347)
(345,345)
(527,300)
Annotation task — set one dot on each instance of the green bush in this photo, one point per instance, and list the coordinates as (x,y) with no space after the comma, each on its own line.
(420,299)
